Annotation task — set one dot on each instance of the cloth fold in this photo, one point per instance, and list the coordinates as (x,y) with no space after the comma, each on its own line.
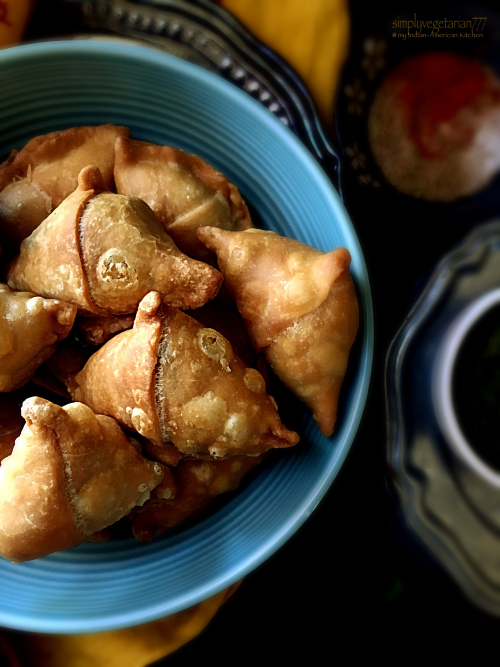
(312,36)
(131,647)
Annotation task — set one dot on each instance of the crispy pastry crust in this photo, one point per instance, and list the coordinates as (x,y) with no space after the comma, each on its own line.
(98,330)
(182,189)
(50,261)
(172,380)
(118,380)
(104,252)
(257,264)
(56,159)
(299,305)
(30,327)
(36,179)
(209,401)
(197,483)
(71,474)
(315,372)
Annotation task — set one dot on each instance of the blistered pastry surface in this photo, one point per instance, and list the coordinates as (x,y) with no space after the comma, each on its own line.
(126,253)
(182,189)
(54,160)
(197,483)
(118,380)
(65,479)
(23,206)
(208,401)
(49,261)
(310,357)
(274,280)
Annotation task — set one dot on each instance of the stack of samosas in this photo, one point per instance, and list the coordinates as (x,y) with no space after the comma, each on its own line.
(151,376)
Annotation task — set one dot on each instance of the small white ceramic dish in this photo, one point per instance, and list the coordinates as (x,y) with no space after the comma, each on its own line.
(442,392)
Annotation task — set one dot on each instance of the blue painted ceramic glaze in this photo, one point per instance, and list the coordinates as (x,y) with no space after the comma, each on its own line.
(50,86)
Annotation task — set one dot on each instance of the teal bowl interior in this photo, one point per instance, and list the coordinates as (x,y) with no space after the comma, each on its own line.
(50,86)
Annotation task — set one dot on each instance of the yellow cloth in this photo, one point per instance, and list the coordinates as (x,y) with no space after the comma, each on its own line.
(132,647)
(14,15)
(312,35)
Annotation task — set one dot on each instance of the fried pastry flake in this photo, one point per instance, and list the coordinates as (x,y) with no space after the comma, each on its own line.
(97,330)
(182,189)
(197,484)
(71,474)
(299,305)
(11,423)
(36,179)
(222,315)
(30,327)
(104,252)
(174,381)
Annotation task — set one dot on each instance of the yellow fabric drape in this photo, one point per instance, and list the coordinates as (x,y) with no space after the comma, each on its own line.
(132,647)
(312,35)
(14,15)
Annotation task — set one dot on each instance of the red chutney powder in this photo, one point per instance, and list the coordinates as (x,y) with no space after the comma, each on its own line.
(436,86)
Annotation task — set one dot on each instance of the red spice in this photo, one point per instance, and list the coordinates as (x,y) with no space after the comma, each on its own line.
(436,87)
(4,13)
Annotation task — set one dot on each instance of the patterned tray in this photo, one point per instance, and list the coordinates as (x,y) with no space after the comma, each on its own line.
(200,32)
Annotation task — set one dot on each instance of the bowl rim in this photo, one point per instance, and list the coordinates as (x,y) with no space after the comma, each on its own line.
(31,52)
(442,380)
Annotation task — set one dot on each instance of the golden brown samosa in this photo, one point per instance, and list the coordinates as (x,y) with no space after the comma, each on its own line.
(173,380)
(104,252)
(182,189)
(36,179)
(30,327)
(71,474)
(299,305)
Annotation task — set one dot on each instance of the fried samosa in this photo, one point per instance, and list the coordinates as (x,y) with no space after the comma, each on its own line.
(299,305)
(173,380)
(182,189)
(197,484)
(36,179)
(71,474)
(30,327)
(104,252)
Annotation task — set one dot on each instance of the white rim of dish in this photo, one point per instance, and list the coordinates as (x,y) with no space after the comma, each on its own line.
(442,385)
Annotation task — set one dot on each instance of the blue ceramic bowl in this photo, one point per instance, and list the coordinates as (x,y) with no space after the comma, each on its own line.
(51,86)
